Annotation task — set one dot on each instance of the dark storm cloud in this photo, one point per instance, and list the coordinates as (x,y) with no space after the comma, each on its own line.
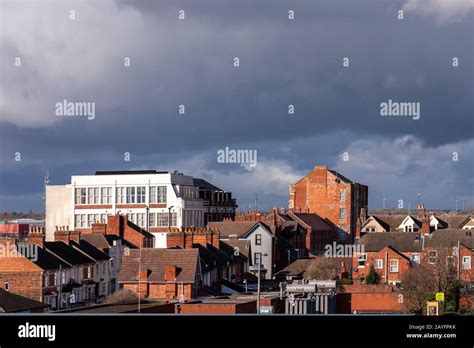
(190,62)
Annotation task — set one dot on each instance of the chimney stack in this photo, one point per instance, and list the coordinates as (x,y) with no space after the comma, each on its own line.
(36,236)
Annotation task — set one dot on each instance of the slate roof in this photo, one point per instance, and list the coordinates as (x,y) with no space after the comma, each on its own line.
(67,253)
(452,221)
(156,260)
(111,237)
(390,221)
(450,238)
(242,244)
(314,221)
(98,240)
(10,303)
(238,228)
(402,241)
(228,249)
(204,184)
(47,261)
(90,250)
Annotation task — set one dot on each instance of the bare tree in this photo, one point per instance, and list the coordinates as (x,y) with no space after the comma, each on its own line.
(122,296)
(417,286)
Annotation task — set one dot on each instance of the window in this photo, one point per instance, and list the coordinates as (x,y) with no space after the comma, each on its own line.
(174,219)
(432,256)
(342,195)
(93,195)
(393,266)
(415,258)
(120,195)
(80,196)
(378,263)
(106,195)
(152,197)
(141,194)
(362,259)
(450,261)
(257,258)
(161,198)
(162,219)
(152,219)
(258,239)
(466,262)
(141,219)
(130,194)
(342,213)
(80,220)
(6,286)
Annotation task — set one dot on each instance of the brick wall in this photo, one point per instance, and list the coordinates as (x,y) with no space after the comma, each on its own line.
(319,192)
(23,277)
(216,308)
(370,298)
(386,254)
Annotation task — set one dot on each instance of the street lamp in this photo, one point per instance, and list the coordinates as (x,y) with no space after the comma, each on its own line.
(258,284)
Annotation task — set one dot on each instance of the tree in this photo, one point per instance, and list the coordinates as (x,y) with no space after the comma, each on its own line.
(418,287)
(373,277)
(324,268)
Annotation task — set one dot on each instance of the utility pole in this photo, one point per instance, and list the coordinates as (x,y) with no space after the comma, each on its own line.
(256,200)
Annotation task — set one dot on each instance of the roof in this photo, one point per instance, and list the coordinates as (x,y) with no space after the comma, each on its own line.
(299,267)
(452,221)
(111,237)
(392,221)
(98,240)
(402,241)
(206,185)
(46,260)
(230,249)
(341,177)
(10,302)
(211,257)
(156,260)
(128,172)
(140,230)
(314,221)
(238,228)
(243,245)
(68,253)
(295,269)
(90,250)
(450,238)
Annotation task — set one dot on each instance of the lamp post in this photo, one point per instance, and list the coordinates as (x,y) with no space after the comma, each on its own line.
(258,284)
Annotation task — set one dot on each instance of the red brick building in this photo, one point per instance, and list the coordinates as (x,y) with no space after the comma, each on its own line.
(121,226)
(170,274)
(332,196)
(18,274)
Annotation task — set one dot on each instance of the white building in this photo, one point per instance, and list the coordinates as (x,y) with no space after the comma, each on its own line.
(151,199)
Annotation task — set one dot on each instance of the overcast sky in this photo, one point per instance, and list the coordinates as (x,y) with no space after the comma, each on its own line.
(282,62)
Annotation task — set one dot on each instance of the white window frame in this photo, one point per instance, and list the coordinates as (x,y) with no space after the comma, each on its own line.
(106,195)
(80,195)
(361,258)
(378,264)
(342,195)
(120,195)
(466,262)
(393,267)
(342,213)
